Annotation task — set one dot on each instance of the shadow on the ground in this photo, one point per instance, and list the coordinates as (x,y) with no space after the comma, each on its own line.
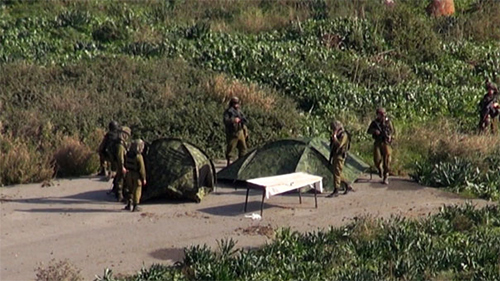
(237,209)
(95,196)
(173,254)
(72,210)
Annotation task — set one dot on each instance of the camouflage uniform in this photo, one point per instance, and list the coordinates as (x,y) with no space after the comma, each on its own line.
(382,132)
(339,145)
(488,111)
(119,152)
(135,178)
(105,159)
(236,132)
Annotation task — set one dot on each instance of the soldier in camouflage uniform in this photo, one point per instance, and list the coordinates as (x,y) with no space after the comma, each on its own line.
(236,129)
(104,149)
(489,110)
(135,178)
(119,151)
(382,132)
(339,145)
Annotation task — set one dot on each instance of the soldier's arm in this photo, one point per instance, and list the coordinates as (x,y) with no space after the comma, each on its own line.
(142,167)
(392,129)
(121,157)
(372,128)
(343,142)
(228,117)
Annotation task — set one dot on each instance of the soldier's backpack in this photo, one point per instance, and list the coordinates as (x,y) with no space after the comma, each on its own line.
(111,144)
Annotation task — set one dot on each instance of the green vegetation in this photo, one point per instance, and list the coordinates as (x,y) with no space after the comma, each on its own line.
(167,68)
(458,243)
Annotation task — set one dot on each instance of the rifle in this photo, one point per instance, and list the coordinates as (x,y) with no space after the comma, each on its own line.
(384,134)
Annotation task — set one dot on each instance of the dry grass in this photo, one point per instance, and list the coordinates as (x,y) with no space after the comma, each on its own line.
(74,158)
(21,164)
(443,140)
(58,271)
(222,88)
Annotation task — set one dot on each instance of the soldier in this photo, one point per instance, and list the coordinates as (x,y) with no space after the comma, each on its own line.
(339,145)
(382,132)
(104,148)
(135,178)
(236,129)
(119,150)
(489,110)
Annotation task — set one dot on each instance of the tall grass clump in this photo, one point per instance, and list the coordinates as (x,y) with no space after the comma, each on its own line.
(461,162)
(73,158)
(21,163)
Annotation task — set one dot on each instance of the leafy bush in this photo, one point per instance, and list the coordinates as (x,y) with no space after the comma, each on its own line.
(459,242)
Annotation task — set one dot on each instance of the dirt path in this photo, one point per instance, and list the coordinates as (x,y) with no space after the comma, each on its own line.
(77,220)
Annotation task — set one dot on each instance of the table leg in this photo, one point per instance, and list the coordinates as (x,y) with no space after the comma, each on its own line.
(246,199)
(300,196)
(262,203)
(315,197)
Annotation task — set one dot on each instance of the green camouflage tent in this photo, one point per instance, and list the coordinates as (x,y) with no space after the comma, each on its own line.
(289,156)
(177,169)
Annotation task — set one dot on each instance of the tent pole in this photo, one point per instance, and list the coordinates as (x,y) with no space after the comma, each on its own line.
(262,204)
(246,199)
(300,196)
(315,198)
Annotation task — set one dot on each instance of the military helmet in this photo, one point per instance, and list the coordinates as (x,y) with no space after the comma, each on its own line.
(337,125)
(137,146)
(234,100)
(381,110)
(491,86)
(113,125)
(125,133)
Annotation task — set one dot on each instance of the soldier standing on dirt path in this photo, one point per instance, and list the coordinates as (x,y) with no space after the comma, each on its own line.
(105,158)
(339,145)
(236,130)
(382,132)
(119,151)
(135,178)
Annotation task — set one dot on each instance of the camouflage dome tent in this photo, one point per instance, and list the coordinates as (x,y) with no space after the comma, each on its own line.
(290,156)
(177,169)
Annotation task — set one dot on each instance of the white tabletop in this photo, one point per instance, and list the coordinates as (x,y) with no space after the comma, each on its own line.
(279,184)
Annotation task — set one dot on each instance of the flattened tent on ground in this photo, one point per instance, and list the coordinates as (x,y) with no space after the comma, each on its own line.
(289,156)
(177,169)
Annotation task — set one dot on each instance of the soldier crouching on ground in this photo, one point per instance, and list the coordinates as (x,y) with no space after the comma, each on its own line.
(236,129)
(339,145)
(489,110)
(104,150)
(382,132)
(135,177)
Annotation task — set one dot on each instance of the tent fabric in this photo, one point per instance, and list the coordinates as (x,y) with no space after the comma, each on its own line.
(177,169)
(290,156)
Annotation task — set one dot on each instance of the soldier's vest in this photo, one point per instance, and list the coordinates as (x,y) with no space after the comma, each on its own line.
(131,162)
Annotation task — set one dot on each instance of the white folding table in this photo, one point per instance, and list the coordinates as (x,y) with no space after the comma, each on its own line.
(274,185)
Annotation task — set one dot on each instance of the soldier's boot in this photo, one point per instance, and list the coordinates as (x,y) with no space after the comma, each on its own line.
(136,208)
(119,196)
(128,207)
(386,179)
(102,172)
(335,193)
